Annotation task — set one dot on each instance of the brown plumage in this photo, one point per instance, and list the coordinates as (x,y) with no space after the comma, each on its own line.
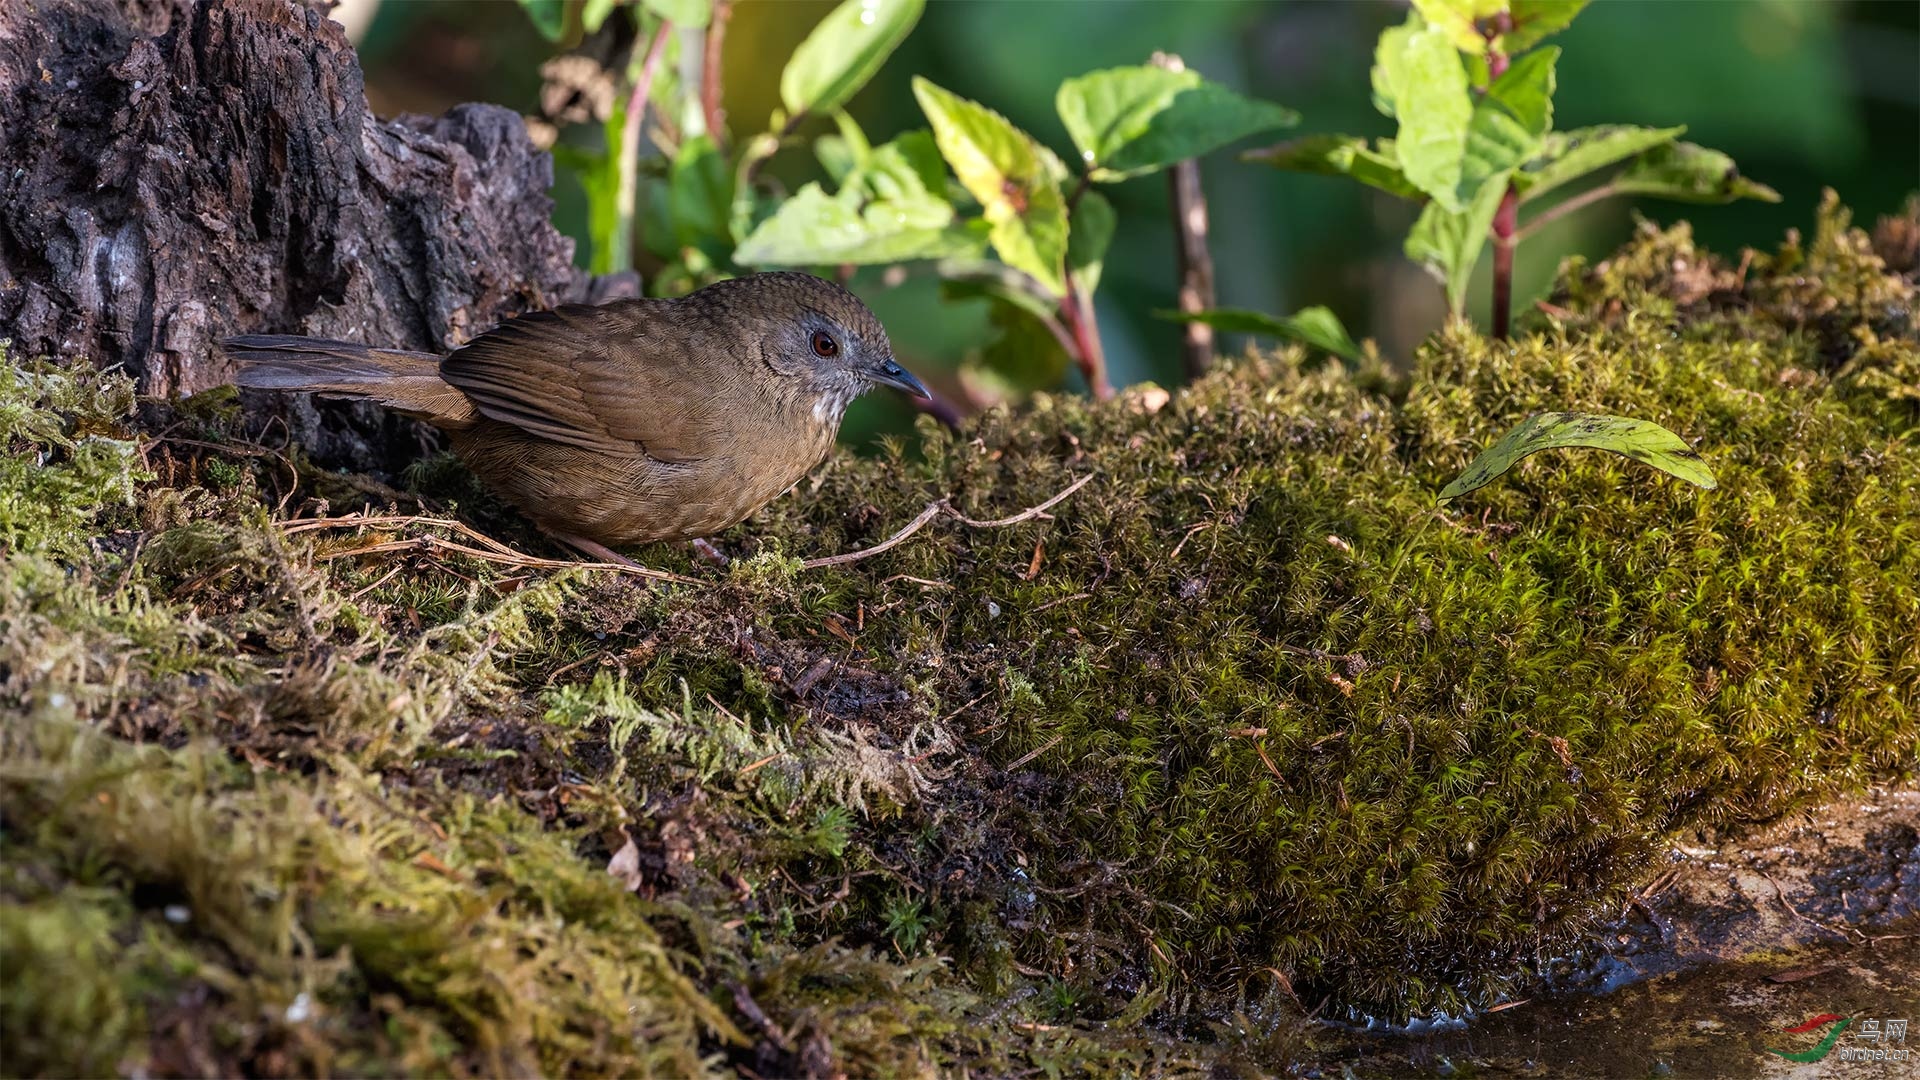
(635,421)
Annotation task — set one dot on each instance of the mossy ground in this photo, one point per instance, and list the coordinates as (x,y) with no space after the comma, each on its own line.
(1247,728)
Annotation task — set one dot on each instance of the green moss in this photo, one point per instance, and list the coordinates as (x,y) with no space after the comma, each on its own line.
(1247,716)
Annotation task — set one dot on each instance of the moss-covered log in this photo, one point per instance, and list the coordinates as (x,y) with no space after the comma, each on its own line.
(1248,722)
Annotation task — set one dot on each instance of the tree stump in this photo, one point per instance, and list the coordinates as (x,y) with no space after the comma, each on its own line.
(175,171)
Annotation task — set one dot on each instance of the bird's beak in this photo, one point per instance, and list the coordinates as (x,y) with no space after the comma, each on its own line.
(892,374)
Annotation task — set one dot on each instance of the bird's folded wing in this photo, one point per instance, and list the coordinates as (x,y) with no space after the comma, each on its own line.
(610,379)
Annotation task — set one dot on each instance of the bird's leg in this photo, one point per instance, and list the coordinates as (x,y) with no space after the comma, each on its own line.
(592,547)
(707,551)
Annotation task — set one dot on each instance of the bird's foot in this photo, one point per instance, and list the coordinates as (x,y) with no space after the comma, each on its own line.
(708,552)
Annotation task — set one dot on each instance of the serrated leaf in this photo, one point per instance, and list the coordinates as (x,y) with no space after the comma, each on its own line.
(1536,20)
(1015,180)
(845,51)
(1087,242)
(1130,121)
(547,16)
(1565,156)
(1690,173)
(1448,242)
(682,13)
(1641,440)
(1315,326)
(1340,155)
(700,197)
(1420,75)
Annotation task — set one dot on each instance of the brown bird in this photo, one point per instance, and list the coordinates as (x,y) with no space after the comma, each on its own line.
(634,421)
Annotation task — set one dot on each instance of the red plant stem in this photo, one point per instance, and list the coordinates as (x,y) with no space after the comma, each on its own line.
(627,197)
(1504,220)
(1077,313)
(710,74)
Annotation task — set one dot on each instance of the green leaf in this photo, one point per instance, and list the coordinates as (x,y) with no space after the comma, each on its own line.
(844,52)
(841,154)
(1565,156)
(1420,74)
(1536,20)
(1457,19)
(700,197)
(1025,355)
(1641,440)
(1315,326)
(693,13)
(1015,179)
(1133,120)
(1508,122)
(813,228)
(1340,155)
(1091,234)
(1690,173)
(548,16)
(1448,242)
(595,13)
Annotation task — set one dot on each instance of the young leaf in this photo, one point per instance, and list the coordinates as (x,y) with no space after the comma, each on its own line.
(1016,180)
(845,51)
(1421,77)
(1132,120)
(813,229)
(1339,155)
(1091,234)
(1690,173)
(1536,20)
(1315,326)
(1508,121)
(843,153)
(1448,242)
(1458,19)
(682,13)
(1569,155)
(547,16)
(1641,440)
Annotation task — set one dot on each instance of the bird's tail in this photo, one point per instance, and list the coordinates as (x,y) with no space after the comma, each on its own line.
(407,382)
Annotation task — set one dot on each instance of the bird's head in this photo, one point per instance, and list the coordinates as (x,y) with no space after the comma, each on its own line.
(819,334)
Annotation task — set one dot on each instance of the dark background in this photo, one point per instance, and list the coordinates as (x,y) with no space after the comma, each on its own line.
(1803,93)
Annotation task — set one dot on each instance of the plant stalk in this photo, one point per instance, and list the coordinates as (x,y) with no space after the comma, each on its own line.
(1562,209)
(1076,311)
(1504,221)
(627,199)
(710,107)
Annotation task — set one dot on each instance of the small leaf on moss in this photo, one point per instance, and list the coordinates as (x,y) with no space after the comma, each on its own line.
(1315,326)
(1642,440)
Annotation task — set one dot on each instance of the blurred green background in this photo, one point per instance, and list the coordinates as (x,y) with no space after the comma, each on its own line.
(1804,94)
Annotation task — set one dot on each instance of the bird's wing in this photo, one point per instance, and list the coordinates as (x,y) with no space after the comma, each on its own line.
(612,379)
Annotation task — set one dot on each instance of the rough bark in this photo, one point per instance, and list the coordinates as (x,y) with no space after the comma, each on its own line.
(172,172)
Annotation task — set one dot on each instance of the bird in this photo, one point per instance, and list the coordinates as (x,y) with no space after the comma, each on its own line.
(628,422)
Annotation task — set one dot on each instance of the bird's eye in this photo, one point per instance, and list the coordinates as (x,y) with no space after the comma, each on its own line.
(824,346)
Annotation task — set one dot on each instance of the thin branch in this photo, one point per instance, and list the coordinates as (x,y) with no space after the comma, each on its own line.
(935,509)
(628,196)
(1504,220)
(1076,311)
(758,162)
(710,73)
(1562,209)
(490,550)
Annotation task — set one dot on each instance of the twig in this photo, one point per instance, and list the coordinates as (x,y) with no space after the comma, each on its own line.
(494,551)
(935,509)
(1035,752)
(1191,258)
(1505,218)
(710,73)
(1562,209)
